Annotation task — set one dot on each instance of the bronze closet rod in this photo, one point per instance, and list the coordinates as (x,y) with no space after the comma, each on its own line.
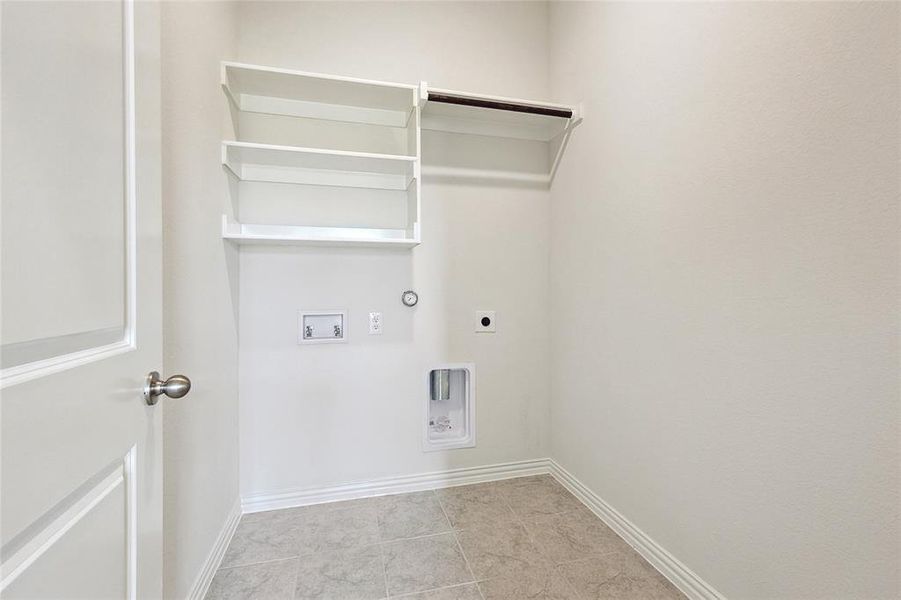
(563,113)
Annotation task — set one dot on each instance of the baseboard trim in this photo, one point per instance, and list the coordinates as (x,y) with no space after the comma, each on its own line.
(392,485)
(688,582)
(214,559)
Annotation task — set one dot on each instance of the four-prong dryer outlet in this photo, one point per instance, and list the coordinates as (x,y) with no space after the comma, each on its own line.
(450,407)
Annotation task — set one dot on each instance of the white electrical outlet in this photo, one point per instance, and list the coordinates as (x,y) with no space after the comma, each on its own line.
(375,323)
(485,321)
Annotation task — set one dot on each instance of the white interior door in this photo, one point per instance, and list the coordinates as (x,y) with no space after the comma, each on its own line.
(81,305)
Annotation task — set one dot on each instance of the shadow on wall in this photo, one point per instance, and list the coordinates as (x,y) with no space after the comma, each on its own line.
(481,160)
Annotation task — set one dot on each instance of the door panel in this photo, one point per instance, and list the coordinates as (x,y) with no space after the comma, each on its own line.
(65,122)
(90,543)
(81,512)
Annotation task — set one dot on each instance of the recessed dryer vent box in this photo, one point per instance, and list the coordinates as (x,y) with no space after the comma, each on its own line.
(449,415)
(321,326)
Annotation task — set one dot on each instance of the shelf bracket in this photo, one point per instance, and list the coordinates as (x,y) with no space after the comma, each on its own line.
(561,147)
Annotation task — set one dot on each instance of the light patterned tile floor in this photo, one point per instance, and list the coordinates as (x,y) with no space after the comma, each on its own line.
(524,538)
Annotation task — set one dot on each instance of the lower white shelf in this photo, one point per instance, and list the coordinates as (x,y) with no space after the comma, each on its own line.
(242,233)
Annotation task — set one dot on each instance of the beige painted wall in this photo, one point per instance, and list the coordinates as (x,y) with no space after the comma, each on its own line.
(199,290)
(316,415)
(725,234)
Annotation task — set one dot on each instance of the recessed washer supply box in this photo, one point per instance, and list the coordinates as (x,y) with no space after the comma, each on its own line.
(321,326)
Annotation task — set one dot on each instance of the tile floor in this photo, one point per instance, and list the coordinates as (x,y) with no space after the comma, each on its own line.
(525,538)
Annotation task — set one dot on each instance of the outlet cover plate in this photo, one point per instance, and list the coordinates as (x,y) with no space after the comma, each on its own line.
(375,323)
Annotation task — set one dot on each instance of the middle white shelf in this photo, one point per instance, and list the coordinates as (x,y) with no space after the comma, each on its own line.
(246,233)
(317,166)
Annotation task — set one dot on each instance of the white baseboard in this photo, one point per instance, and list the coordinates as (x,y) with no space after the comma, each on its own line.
(392,485)
(688,582)
(214,559)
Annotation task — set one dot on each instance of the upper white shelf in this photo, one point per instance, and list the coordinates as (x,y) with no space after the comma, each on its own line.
(315,166)
(480,114)
(275,91)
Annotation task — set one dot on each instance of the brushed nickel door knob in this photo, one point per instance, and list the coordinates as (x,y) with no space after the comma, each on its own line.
(176,386)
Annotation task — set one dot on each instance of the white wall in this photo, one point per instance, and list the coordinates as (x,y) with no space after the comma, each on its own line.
(316,415)
(725,233)
(200,290)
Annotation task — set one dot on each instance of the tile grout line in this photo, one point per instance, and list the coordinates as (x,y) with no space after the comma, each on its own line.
(294,580)
(566,579)
(381,543)
(468,566)
(459,547)
(263,562)
(522,523)
(443,587)
(518,519)
(384,569)
(417,537)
